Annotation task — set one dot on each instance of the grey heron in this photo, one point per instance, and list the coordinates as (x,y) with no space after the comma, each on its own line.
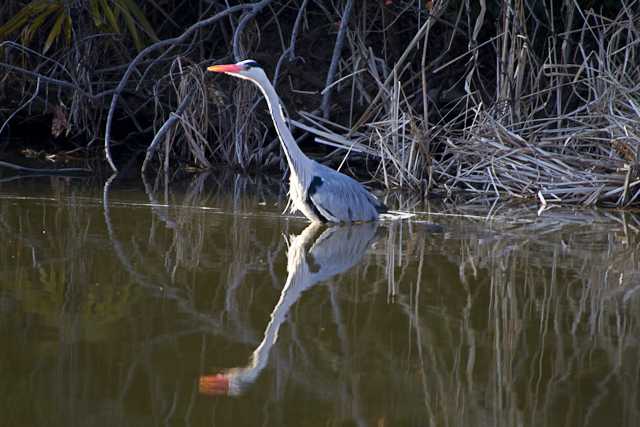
(312,257)
(317,191)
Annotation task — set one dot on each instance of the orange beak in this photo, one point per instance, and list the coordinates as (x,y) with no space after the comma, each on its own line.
(214,385)
(227,68)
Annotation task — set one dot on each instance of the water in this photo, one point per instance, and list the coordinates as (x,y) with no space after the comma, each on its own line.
(201,304)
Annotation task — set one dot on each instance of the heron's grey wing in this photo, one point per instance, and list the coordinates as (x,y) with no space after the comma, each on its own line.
(339,248)
(340,198)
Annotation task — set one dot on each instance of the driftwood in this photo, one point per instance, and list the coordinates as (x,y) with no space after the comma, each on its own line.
(45,171)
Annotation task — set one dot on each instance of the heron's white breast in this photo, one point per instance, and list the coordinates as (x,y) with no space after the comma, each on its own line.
(297,196)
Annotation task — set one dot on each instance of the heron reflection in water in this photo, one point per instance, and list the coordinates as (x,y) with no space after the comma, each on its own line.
(313,257)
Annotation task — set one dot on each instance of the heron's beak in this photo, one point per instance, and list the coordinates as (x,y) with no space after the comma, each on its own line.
(214,385)
(227,68)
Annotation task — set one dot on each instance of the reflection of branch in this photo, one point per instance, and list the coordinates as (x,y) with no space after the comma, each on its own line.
(118,248)
(19,177)
(188,241)
(165,289)
(346,353)
(155,205)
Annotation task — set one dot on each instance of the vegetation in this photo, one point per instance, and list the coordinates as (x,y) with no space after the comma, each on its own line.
(513,98)
(105,17)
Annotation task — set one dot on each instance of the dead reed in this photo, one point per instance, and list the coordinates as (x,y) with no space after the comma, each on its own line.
(560,122)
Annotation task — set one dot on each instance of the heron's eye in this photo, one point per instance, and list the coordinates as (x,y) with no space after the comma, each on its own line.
(250,64)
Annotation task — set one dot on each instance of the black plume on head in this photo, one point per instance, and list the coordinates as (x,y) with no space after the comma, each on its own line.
(250,63)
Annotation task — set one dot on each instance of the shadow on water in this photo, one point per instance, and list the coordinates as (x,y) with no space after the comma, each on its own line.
(118,303)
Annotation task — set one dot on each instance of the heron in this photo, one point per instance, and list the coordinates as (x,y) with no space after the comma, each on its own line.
(317,191)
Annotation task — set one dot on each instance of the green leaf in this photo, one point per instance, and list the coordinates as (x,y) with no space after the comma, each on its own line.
(16,22)
(133,8)
(38,21)
(35,7)
(131,25)
(111,18)
(94,9)
(39,5)
(68,28)
(55,31)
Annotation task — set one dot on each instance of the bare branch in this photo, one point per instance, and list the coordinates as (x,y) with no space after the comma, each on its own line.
(335,58)
(45,171)
(142,54)
(166,126)
(255,9)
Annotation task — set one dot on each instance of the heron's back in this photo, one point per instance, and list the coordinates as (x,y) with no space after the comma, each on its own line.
(340,198)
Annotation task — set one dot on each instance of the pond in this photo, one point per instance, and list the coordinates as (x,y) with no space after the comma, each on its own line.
(201,303)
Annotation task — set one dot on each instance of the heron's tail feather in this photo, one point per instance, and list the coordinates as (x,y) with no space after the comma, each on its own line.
(390,215)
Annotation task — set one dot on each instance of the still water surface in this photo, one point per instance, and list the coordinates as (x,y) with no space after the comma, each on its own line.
(201,304)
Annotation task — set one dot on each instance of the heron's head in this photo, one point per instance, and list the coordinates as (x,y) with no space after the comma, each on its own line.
(248,70)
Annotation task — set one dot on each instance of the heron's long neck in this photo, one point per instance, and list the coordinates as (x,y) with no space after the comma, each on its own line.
(297,282)
(295,156)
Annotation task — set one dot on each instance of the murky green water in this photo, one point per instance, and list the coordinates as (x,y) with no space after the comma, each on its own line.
(201,304)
